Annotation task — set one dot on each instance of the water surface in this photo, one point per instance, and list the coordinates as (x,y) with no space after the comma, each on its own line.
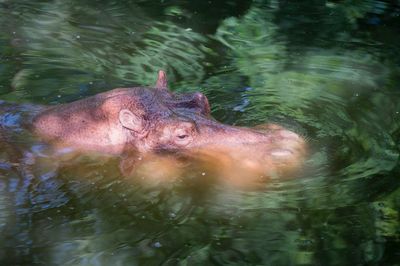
(328,70)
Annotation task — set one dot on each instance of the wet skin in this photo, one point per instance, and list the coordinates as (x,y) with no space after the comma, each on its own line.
(159,134)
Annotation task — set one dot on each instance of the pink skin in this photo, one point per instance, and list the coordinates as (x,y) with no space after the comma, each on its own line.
(150,123)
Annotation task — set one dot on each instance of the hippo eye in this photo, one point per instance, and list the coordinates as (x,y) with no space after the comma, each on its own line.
(183,136)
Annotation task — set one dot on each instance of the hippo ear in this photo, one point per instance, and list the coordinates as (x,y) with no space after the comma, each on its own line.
(131,121)
(162,80)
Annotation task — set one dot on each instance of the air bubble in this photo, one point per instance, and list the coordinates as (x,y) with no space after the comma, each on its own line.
(157,245)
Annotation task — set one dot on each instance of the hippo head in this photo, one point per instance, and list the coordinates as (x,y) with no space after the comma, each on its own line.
(158,121)
(181,122)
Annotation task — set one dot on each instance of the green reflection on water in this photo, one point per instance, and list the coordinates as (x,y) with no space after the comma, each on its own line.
(322,68)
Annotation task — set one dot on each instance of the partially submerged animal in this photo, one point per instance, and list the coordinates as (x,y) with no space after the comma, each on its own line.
(142,122)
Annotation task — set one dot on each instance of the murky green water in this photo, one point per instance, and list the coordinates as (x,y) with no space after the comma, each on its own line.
(329,70)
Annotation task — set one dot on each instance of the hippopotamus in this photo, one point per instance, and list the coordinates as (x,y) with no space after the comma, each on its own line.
(155,123)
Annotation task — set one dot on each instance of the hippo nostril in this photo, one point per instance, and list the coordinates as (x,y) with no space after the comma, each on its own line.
(280,153)
(288,134)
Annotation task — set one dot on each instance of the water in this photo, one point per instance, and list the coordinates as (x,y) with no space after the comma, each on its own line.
(329,70)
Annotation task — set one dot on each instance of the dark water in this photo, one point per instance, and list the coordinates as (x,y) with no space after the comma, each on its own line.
(329,70)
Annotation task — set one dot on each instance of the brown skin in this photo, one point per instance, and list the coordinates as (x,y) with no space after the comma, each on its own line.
(157,124)
(247,166)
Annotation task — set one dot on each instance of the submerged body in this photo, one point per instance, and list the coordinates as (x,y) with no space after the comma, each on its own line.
(165,127)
